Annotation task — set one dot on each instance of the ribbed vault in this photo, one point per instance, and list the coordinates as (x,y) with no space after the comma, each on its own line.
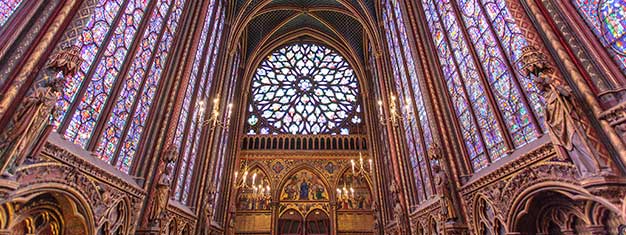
(258,23)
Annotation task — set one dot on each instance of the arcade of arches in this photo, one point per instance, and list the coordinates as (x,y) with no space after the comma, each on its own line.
(342,117)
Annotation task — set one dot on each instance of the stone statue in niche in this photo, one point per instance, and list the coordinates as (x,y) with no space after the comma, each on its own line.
(564,120)
(29,122)
(161,194)
(208,209)
(564,125)
(442,185)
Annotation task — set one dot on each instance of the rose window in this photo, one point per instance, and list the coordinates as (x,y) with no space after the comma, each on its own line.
(304,89)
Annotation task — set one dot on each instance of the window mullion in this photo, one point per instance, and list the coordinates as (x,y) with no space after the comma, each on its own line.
(92,68)
(118,83)
(143,83)
(483,78)
(418,126)
(465,93)
(515,76)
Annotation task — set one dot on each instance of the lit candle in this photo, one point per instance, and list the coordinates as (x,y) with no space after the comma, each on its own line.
(371,169)
(361,160)
(338,192)
(345,191)
(268,189)
(352,162)
(352,191)
(230,109)
(245,175)
(236,174)
(380,107)
(253,178)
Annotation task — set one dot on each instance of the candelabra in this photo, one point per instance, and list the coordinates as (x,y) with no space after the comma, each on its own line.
(360,170)
(214,119)
(395,117)
(261,190)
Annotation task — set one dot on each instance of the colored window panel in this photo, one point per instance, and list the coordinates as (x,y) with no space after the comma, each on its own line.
(304,89)
(467,122)
(191,145)
(607,20)
(503,87)
(131,143)
(134,83)
(90,40)
(98,90)
(7,8)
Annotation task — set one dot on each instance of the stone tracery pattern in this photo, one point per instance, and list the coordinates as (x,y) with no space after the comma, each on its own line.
(304,89)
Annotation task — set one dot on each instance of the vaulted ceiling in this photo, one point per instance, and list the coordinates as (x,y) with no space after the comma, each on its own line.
(348,24)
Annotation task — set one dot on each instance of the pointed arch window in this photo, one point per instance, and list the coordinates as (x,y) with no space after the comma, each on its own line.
(189,127)
(477,42)
(607,20)
(417,129)
(125,45)
(304,88)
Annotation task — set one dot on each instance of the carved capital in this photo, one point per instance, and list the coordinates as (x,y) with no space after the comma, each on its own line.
(66,60)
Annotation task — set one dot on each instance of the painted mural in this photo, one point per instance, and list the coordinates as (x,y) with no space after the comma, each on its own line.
(304,186)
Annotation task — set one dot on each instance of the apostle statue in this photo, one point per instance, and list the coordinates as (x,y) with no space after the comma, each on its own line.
(564,124)
(444,193)
(28,123)
(208,210)
(564,121)
(161,194)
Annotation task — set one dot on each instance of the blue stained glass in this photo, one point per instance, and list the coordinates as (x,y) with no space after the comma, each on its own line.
(607,20)
(7,8)
(131,143)
(504,90)
(305,89)
(469,129)
(90,41)
(134,83)
(98,90)
(192,145)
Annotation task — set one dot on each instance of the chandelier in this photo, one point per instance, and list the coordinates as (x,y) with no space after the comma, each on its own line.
(214,119)
(260,190)
(395,117)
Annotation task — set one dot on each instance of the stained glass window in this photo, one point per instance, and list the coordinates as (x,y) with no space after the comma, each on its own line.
(125,46)
(417,128)
(477,42)
(190,125)
(304,89)
(7,8)
(219,167)
(607,20)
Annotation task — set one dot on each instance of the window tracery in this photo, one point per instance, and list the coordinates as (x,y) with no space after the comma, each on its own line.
(304,88)
(189,127)
(417,128)
(477,43)
(607,20)
(125,45)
